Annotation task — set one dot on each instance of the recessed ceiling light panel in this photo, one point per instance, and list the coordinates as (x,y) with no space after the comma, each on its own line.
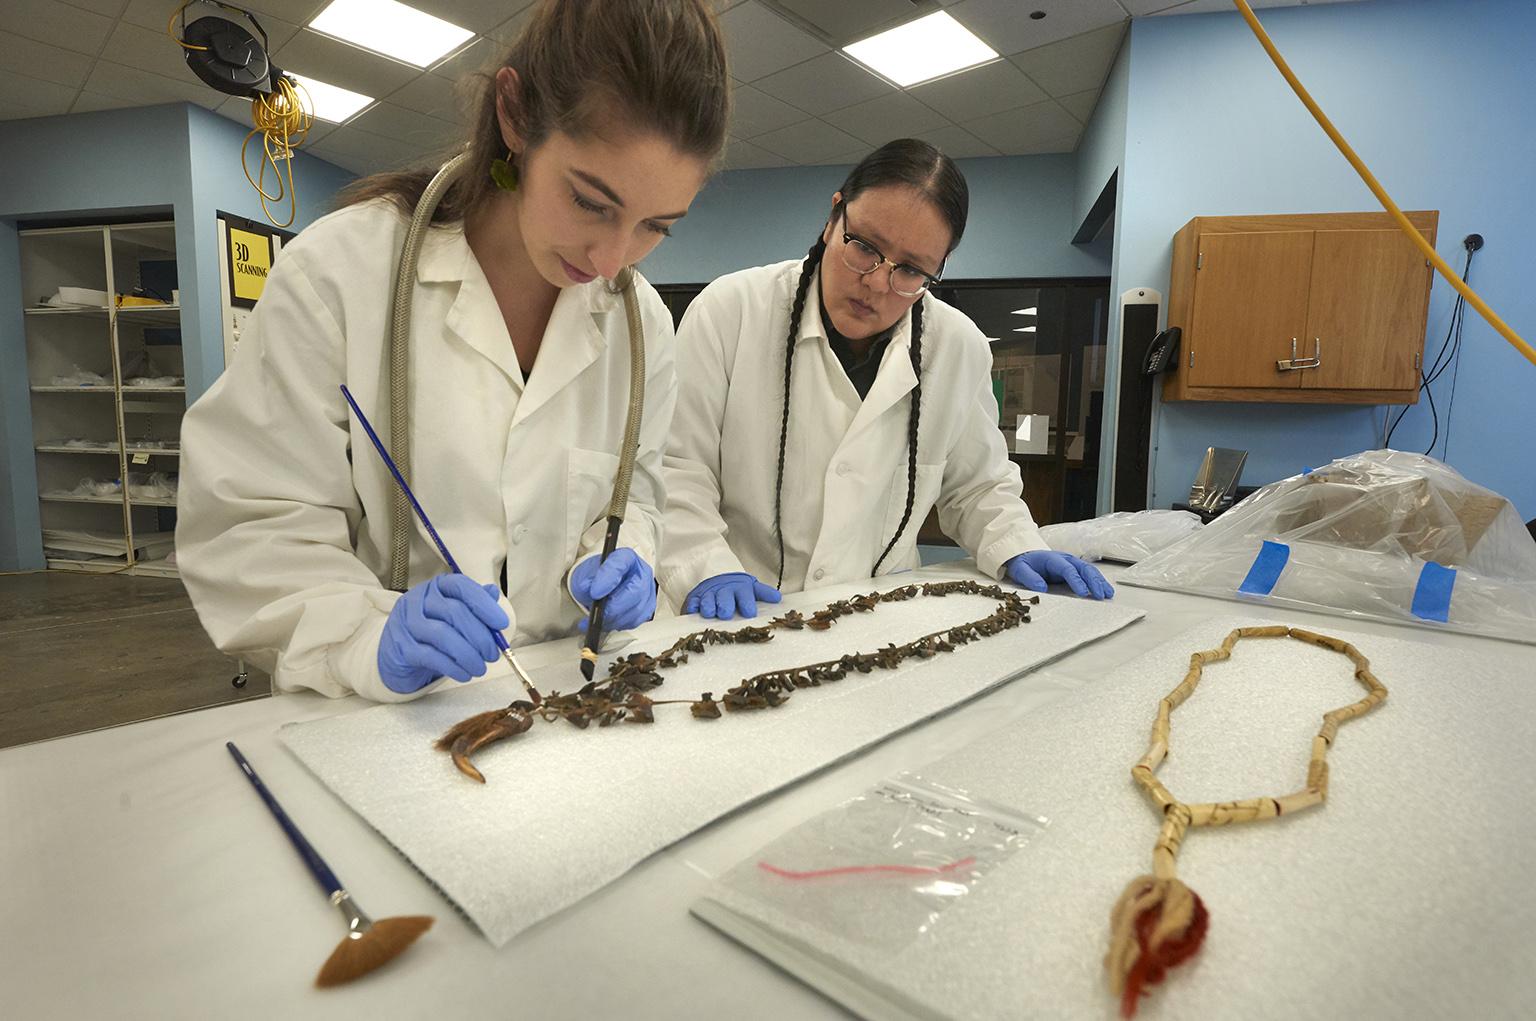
(921,50)
(330,102)
(392,29)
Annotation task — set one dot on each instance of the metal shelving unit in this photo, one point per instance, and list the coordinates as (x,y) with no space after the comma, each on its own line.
(91,421)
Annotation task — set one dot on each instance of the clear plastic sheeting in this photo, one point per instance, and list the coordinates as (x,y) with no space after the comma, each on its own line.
(880,868)
(1383,535)
(1126,536)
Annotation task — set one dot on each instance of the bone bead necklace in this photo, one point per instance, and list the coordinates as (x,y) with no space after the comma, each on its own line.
(1159,922)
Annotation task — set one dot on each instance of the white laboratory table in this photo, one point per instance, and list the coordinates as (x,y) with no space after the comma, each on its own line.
(141,877)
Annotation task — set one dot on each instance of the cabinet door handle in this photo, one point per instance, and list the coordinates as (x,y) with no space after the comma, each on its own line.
(1317,355)
(1293,363)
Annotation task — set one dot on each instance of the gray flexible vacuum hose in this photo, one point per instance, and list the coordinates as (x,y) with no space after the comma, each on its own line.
(400,366)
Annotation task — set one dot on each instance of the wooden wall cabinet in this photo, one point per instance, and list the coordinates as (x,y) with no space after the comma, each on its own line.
(1321,308)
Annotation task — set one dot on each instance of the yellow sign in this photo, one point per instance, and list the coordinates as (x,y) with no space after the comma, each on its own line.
(250,257)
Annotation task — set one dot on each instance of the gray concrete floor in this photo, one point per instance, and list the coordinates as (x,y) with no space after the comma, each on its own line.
(80,652)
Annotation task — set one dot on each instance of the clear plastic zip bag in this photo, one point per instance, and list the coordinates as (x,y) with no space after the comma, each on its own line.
(881,868)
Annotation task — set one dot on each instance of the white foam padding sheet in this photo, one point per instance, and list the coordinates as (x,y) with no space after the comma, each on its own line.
(1406,894)
(566,811)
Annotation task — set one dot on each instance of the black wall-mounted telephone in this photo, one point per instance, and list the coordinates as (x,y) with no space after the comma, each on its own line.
(1162,351)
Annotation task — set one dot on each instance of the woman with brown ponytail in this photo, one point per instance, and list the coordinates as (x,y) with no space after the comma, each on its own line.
(591,139)
(825,405)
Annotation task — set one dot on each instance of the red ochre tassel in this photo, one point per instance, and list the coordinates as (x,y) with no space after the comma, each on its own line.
(1158,924)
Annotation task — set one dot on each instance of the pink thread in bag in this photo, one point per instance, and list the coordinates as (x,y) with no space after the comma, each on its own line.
(847,870)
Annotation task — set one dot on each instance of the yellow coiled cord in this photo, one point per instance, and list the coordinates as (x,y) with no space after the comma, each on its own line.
(282,119)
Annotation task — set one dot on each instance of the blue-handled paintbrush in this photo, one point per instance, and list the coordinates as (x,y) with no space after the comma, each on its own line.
(442,547)
(368,943)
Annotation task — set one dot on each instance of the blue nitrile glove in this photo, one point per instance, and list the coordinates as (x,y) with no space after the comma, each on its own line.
(628,582)
(725,595)
(1034,569)
(440,628)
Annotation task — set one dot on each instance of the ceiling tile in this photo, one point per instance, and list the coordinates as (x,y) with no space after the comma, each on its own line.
(721,6)
(878,121)
(295,12)
(982,90)
(152,14)
(89,102)
(143,88)
(1141,7)
(477,56)
(317,133)
(58,24)
(238,109)
(740,155)
(151,51)
(1014,130)
(39,60)
(364,153)
(1072,65)
(362,167)
(479,16)
(107,8)
(844,159)
(335,63)
(847,21)
(761,42)
(807,141)
(1005,26)
(1081,104)
(957,143)
(1059,144)
(21,96)
(396,122)
(823,84)
(509,29)
(753,113)
(432,95)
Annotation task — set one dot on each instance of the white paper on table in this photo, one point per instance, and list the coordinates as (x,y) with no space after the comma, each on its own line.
(567,811)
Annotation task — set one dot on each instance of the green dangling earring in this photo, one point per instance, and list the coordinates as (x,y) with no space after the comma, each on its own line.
(504,173)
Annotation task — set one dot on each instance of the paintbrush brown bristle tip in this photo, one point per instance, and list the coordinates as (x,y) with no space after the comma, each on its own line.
(354,958)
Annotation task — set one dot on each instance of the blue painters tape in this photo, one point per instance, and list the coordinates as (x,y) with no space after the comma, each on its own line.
(1432,596)
(1266,569)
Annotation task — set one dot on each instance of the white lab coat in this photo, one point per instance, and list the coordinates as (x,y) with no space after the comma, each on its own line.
(283,533)
(845,468)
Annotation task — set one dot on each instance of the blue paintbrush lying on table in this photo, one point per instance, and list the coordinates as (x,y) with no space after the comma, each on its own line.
(368,944)
(453,565)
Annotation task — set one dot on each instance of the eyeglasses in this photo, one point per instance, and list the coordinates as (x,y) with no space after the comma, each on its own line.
(864,258)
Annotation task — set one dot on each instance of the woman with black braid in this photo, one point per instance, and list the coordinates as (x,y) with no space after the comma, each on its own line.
(825,405)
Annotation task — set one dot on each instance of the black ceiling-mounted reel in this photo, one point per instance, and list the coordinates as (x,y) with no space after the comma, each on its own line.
(225,55)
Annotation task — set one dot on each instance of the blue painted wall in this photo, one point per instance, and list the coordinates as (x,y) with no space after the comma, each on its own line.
(1436,95)
(176,158)
(1102,149)
(1021,222)
(1100,156)
(218,184)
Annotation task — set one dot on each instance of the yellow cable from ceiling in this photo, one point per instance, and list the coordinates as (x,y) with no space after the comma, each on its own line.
(1381,194)
(282,119)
